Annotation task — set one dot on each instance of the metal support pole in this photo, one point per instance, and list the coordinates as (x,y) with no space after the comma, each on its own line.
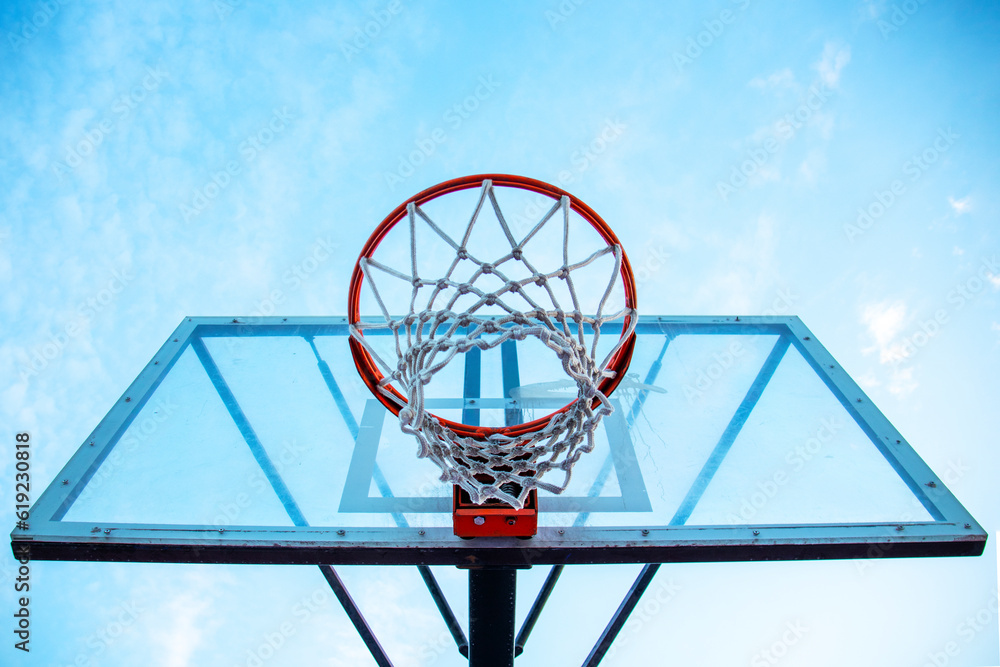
(491,617)
(446,613)
(536,609)
(353,613)
(624,609)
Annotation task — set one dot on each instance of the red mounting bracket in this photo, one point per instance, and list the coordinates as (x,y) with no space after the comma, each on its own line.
(493,518)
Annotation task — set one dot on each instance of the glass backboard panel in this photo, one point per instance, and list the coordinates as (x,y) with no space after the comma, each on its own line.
(732,439)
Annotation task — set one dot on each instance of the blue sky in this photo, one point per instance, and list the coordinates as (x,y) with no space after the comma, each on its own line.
(837,161)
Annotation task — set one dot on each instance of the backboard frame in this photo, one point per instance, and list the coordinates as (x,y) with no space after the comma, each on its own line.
(954,532)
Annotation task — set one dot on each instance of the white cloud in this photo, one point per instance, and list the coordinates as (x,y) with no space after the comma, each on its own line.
(869,380)
(746,277)
(780,79)
(185,621)
(872,9)
(902,384)
(957,251)
(884,320)
(834,59)
(960,206)
(767,173)
(813,166)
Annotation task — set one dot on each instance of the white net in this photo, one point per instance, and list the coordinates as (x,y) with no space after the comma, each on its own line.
(502,298)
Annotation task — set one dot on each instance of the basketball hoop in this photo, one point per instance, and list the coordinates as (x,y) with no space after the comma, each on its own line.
(494,462)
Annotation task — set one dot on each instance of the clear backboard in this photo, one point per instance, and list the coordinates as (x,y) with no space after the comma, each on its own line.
(733,439)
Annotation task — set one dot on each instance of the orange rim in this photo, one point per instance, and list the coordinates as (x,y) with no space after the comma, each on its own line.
(368,369)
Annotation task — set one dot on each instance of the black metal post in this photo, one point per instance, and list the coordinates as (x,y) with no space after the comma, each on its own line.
(536,609)
(624,609)
(353,613)
(446,613)
(491,617)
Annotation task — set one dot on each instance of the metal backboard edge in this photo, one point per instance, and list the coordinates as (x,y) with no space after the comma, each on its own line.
(437,546)
(922,481)
(73,477)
